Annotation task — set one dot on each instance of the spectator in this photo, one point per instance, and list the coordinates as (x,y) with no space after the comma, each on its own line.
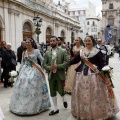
(119,51)
(3,48)
(0,64)
(7,56)
(103,48)
(20,51)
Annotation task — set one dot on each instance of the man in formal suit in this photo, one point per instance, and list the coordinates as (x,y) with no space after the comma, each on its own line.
(20,50)
(56,60)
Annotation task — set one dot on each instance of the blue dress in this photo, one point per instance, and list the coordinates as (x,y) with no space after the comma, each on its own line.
(30,93)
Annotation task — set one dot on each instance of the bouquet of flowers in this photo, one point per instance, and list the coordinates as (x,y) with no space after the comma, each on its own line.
(13,74)
(107,70)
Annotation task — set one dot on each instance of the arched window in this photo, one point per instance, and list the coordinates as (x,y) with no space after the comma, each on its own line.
(93,24)
(111,20)
(63,35)
(27,30)
(48,34)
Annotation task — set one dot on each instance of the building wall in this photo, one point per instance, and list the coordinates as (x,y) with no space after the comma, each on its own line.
(81,14)
(14,13)
(113,14)
(94,30)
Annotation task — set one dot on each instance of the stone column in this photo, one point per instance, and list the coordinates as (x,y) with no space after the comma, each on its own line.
(6,22)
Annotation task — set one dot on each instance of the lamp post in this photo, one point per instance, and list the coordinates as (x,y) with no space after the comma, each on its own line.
(37,22)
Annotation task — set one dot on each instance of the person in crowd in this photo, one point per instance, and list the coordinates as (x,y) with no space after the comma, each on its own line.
(109,52)
(3,48)
(30,94)
(8,63)
(92,99)
(0,64)
(119,51)
(62,45)
(68,45)
(20,50)
(2,117)
(104,49)
(56,60)
(71,70)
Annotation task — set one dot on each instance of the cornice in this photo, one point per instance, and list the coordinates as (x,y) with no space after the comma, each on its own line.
(12,11)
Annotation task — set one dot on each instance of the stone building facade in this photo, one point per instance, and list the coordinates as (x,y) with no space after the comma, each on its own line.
(111,17)
(93,26)
(90,23)
(16,21)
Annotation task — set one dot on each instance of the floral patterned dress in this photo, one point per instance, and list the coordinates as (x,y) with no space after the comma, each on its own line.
(90,96)
(30,93)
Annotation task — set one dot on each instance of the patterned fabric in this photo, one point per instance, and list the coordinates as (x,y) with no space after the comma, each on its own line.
(90,98)
(71,72)
(70,78)
(30,94)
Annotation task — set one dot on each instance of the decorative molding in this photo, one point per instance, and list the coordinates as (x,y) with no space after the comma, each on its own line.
(36,6)
(57,24)
(12,11)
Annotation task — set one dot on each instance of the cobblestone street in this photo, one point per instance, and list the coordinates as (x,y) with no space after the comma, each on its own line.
(65,114)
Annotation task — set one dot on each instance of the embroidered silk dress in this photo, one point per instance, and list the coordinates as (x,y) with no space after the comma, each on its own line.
(90,96)
(71,72)
(30,92)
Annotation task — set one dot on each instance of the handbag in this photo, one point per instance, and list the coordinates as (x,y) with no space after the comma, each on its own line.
(14,62)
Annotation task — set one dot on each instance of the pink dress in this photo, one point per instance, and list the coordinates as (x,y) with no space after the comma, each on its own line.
(90,96)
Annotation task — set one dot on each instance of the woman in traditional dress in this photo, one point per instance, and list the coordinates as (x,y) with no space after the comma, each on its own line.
(1,115)
(30,94)
(91,98)
(71,70)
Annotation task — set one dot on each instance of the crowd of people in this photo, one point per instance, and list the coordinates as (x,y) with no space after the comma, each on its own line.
(75,69)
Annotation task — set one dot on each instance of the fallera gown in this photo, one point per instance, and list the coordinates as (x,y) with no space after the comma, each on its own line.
(30,92)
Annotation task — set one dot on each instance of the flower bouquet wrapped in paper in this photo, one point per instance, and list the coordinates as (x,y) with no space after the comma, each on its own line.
(13,74)
(107,70)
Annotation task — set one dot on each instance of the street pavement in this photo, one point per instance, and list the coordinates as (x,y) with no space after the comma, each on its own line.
(65,114)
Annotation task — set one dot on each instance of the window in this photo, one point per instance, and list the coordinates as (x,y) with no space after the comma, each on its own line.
(81,12)
(111,21)
(73,12)
(111,6)
(88,23)
(81,31)
(93,29)
(93,24)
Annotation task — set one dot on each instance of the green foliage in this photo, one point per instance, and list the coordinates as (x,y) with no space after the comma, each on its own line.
(38,31)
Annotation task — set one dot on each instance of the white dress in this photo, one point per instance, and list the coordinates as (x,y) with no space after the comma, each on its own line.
(1,115)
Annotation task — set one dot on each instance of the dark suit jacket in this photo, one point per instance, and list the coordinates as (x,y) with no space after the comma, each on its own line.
(19,53)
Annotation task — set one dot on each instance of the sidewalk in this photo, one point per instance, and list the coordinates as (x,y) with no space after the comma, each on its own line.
(65,114)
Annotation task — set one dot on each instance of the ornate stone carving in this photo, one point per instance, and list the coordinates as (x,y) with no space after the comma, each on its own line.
(36,6)
(12,11)
(57,24)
